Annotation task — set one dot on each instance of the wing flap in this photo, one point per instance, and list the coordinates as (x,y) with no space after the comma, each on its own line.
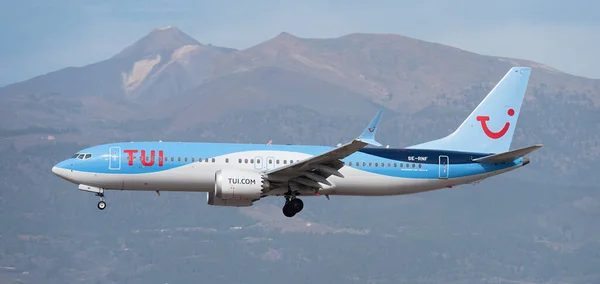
(507,156)
(298,169)
(317,169)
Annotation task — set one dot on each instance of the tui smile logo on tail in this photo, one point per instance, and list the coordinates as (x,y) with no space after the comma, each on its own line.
(494,135)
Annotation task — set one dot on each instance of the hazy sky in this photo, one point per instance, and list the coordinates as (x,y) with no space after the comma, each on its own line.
(37,37)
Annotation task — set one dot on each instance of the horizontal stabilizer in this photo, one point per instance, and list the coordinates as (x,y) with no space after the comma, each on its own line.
(507,156)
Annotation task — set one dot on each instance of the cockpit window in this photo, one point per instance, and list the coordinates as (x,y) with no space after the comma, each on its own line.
(82,156)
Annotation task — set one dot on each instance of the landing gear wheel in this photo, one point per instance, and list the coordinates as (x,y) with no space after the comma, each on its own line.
(297,204)
(292,207)
(288,210)
(101,205)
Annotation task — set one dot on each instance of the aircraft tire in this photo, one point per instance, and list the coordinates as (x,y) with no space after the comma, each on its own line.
(101,205)
(288,210)
(297,204)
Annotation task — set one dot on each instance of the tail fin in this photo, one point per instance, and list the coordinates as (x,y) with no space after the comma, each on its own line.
(490,127)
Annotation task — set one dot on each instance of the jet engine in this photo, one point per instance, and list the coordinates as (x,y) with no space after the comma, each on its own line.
(236,188)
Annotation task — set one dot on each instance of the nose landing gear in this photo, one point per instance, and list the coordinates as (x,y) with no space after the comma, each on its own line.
(101,203)
(98,191)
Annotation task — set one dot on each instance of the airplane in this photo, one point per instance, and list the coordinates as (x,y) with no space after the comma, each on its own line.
(239,175)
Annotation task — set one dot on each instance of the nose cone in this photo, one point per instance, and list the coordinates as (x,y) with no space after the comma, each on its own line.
(61,170)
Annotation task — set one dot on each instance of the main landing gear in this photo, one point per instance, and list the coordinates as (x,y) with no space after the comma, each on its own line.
(292,206)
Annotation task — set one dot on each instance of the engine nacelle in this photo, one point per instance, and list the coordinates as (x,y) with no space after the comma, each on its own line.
(236,188)
(215,201)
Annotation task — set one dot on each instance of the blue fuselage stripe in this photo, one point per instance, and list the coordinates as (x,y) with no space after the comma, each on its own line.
(408,163)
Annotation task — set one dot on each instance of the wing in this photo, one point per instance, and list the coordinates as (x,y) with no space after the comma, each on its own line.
(315,170)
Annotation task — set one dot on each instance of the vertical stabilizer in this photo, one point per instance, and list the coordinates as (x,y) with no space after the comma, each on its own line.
(490,127)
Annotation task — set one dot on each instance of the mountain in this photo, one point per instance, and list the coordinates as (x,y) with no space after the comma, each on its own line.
(393,69)
(536,225)
(166,60)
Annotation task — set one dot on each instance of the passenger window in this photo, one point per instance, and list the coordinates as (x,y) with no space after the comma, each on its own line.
(179,159)
(291,161)
(285,162)
(226,160)
(420,166)
(186,159)
(193,159)
(206,160)
(251,161)
(376,164)
(407,165)
(240,161)
(413,165)
(401,165)
(258,161)
(200,160)
(277,162)
(395,165)
(350,164)
(213,160)
(246,161)
(172,159)
(389,165)
(270,161)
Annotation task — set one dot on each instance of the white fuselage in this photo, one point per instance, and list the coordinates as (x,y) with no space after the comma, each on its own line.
(200,177)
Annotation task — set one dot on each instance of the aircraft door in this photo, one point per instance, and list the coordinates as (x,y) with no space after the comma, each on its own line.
(114,158)
(258,163)
(269,163)
(444,167)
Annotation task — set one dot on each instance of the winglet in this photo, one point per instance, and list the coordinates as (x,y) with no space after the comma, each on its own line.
(368,135)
